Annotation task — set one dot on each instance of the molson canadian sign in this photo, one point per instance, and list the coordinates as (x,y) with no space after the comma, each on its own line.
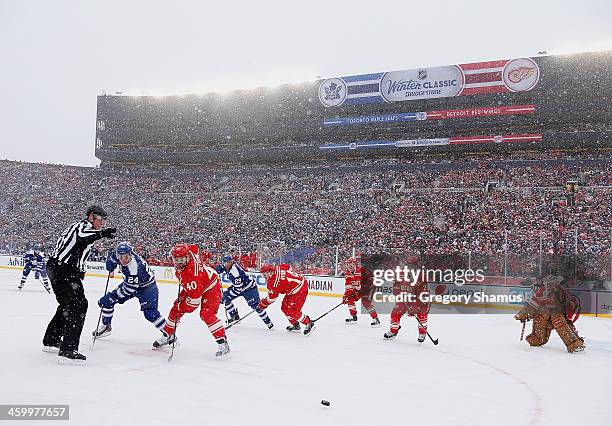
(508,75)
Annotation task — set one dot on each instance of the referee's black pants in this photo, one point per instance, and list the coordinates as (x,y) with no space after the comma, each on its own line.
(66,326)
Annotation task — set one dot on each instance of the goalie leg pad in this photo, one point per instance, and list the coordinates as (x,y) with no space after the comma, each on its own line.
(567,333)
(542,328)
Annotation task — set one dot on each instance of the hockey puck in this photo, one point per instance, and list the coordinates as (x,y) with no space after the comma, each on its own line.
(324,402)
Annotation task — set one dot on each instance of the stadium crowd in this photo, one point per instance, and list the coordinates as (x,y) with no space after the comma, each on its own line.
(373,207)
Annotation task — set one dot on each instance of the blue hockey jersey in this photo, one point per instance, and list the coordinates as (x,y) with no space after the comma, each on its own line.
(136,275)
(240,280)
(33,260)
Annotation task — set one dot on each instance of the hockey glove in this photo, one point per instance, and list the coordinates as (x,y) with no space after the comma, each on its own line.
(111,263)
(107,300)
(109,232)
(523,314)
(351,296)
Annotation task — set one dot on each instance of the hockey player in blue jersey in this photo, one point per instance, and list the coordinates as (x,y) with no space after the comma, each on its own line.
(138,281)
(242,285)
(35,260)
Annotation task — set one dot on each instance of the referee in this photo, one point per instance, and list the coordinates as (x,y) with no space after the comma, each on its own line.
(66,270)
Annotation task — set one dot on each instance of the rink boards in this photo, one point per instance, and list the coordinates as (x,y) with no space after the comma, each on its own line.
(509,294)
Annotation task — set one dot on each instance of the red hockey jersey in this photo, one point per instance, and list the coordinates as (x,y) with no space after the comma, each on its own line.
(195,280)
(284,281)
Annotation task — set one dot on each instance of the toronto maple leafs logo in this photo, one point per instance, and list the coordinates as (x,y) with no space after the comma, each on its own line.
(332,92)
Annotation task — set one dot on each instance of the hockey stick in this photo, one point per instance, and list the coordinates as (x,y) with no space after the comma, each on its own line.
(523,329)
(335,307)
(178,295)
(43,284)
(234,323)
(225,309)
(434,341)
(100,316)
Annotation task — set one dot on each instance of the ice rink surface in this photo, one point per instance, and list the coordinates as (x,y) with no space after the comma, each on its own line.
(479,374)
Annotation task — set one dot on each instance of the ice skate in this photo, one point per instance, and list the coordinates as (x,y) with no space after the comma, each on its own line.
(53,349)
(295,327)
(577,346)
(223,350)
(233,318)
(165,341)
(351,320)
(389,335)
(309,328)
(578,349)
(71,357)
(102,331)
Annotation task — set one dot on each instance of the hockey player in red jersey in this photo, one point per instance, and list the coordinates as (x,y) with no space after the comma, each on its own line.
(200,286)
(416,292)
(354,292)
(282,280)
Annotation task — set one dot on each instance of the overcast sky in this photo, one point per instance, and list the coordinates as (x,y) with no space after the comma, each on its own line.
(57,56)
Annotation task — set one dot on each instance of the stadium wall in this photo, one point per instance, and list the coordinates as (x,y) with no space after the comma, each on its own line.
(317,285)
(555,94)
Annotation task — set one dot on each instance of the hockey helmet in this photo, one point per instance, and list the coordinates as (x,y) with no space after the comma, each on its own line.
(352,263)
(124,253)
(180,255)
(267,268)
(124,248)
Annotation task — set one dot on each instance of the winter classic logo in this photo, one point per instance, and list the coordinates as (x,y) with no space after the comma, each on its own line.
(521,75)
(332,92)
(439,82)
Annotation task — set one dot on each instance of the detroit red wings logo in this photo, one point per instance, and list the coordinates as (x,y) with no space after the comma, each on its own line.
(519,74)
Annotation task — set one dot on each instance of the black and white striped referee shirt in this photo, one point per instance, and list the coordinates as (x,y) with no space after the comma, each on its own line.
(74,246)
